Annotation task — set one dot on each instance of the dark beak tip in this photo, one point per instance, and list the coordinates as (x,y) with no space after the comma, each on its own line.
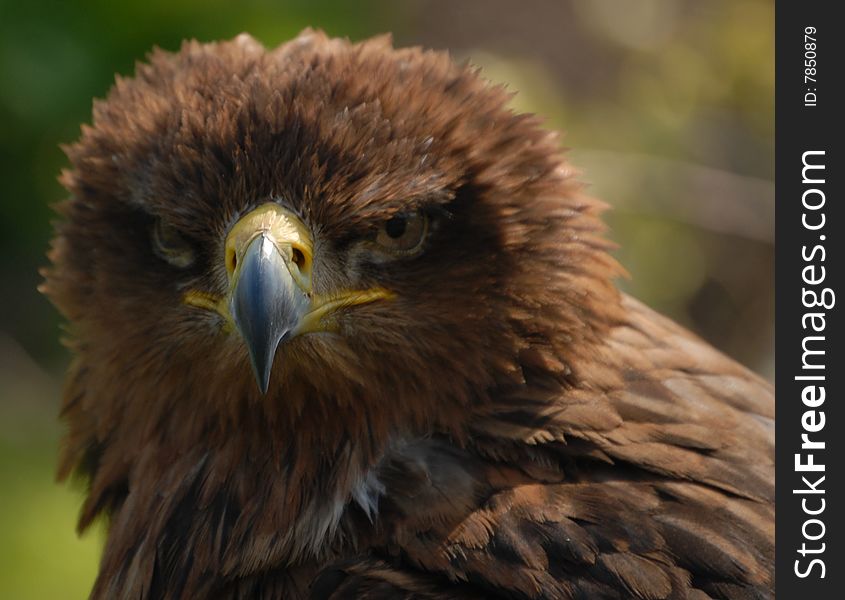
(263,381)
(262,363)
(266,306)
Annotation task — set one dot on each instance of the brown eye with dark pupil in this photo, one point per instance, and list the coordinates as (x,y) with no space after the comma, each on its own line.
(403,234)
(395,227)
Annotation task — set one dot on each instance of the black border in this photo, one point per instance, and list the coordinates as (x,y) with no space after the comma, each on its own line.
(800,128)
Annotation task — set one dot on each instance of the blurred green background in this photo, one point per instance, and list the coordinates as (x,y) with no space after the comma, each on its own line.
(667,104)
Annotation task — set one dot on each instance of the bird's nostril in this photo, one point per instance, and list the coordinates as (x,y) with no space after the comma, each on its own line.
(231,260)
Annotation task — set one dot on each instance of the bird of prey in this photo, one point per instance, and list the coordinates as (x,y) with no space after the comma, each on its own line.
(345,326)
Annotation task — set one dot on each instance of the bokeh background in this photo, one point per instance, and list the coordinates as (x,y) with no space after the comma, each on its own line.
(666,104)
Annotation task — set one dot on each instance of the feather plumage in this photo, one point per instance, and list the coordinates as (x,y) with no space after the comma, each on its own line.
(508,425)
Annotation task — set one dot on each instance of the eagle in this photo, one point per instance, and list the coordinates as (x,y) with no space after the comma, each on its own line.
(344,325)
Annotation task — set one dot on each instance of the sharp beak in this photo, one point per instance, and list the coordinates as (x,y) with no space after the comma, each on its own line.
(269,253)
(266,304)
(268,257)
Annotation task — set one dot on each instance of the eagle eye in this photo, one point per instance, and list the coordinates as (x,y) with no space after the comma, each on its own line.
(403,233)
(169,245)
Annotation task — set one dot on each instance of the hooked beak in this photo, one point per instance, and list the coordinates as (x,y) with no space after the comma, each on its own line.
(269,254)
(266,303)
(268,259)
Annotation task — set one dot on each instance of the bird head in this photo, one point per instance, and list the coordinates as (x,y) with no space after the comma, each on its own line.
(322,220)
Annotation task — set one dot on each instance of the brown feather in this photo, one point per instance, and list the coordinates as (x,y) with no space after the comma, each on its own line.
(509,425)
